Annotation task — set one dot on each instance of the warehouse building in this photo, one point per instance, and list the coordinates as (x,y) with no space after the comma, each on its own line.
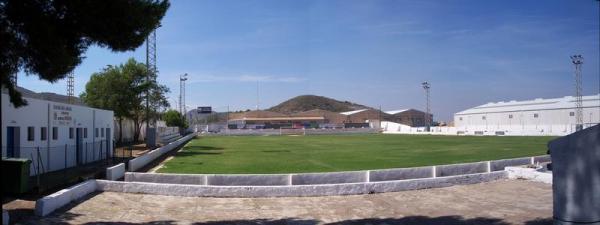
(532,117)
(409,117)
(55,135)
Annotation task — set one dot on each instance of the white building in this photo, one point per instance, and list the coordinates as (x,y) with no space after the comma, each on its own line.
(55,135)
(533,117)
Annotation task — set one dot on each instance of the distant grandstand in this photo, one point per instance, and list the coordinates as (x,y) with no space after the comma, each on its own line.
(319,118)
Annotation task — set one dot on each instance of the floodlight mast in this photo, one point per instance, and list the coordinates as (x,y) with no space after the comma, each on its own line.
(577,61)
(426,87)
(151,72)
(182,79)
(71,87)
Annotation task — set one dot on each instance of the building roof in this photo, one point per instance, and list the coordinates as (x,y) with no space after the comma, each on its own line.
(392,112)
(353,112)
(53,97)
(567,102)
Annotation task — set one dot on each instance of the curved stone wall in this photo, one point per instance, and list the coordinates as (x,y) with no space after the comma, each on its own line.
(365,176)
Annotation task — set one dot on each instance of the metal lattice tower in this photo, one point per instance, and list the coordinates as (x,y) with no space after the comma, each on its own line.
(151,67)
(71,87)
(151,52)
(182,79)
(577,61)
(426,87)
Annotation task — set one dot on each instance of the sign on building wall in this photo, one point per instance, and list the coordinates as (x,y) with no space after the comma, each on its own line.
(62,115)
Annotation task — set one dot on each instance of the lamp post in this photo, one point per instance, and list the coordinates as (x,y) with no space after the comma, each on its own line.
(577,61)
(426,87)
(182,79)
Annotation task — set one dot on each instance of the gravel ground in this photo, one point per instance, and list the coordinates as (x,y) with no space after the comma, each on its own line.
(498,203)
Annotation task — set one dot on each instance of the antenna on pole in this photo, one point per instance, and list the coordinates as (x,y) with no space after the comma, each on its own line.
(71,87)
(426,87)
(577,61)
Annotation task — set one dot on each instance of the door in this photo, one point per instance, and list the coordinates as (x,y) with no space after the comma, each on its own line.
(13,142)
(108,142)
(78,145)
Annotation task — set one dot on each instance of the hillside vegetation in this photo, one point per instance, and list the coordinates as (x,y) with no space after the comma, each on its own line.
(309,102)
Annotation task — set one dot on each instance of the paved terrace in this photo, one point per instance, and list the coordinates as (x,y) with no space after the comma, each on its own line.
(498,203)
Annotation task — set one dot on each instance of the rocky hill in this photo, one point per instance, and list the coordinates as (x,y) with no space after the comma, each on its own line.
(309,102)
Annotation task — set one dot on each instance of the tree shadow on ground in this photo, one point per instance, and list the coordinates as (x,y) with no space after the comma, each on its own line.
(66,218)
(408,220)
(540,221)
(285,221)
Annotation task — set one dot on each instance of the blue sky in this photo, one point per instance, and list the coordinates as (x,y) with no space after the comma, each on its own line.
(375,52)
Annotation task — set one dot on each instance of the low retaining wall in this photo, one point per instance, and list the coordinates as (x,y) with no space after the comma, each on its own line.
(248,180)
(329,178)
(528,174)
(143,160)
(401,174)
(498,165)
(460,169)
(166,178)
(333,177)
(115,172)
(48,204)
(295,190)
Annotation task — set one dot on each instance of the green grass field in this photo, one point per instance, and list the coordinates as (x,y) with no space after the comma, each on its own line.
(326,153)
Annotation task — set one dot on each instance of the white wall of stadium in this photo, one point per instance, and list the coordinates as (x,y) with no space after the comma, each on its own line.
(58,131)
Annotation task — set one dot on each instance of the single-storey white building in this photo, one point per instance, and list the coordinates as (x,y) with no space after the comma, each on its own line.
(532,117)
(55,135)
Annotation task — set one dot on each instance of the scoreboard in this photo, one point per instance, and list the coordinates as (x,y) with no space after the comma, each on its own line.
(204,109)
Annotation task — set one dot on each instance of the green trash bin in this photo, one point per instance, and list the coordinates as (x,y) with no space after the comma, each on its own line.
(15,175)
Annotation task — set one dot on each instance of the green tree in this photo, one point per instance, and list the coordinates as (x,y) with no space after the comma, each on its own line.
(123,89)
(48,37)
(174,119)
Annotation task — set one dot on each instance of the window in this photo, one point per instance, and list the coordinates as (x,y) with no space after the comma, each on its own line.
(85,132)
(510,116)
(535,115)
(43,133)
(31,133)
(96,132)
(54,133)
(571,113)
(102,132)
(483,117)
(460,118)
(71,132)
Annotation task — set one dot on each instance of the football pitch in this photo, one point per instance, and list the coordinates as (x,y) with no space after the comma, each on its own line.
(328,153)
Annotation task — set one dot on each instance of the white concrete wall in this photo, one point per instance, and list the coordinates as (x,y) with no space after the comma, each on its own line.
(397,128)
(333,177)
(115,172)
(40,113)
(295,190)
(48,204)
(143,160)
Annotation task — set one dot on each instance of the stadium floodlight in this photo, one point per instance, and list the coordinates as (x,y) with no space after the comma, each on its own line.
(577,61)
(182,79)
(426,87)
